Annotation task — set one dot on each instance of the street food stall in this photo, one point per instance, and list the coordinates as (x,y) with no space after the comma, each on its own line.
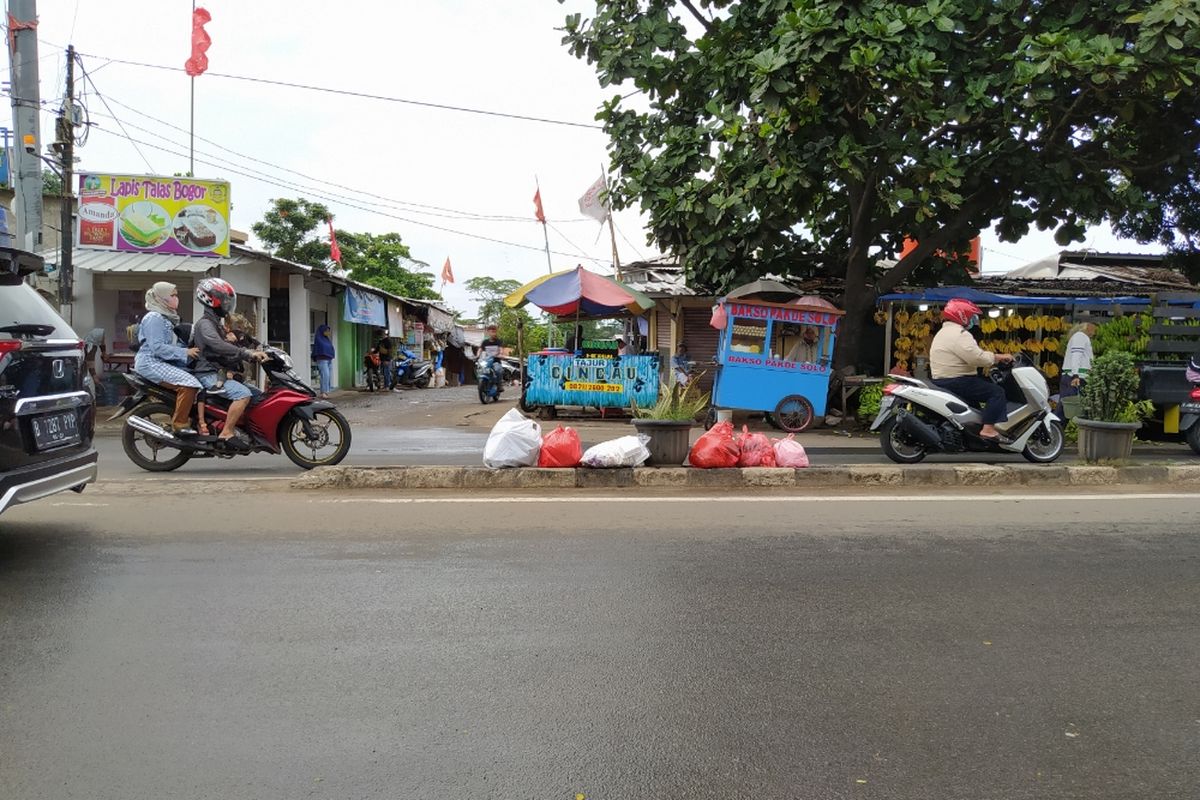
(776,358)
(596,374)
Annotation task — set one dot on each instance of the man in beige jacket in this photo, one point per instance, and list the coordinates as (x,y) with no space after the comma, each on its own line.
(955,357)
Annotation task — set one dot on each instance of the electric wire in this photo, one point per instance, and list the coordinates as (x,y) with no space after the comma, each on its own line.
(349,93)
(88,79)
(355,206)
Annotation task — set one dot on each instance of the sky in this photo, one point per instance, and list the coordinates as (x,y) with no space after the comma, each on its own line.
(454,184)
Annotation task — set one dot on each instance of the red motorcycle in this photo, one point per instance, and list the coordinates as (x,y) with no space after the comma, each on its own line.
(287,417)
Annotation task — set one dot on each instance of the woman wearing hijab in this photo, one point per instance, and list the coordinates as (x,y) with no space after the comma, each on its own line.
(161,357)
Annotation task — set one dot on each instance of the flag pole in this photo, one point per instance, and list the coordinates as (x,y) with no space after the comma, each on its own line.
(545,236)
(192,127)
(611,232)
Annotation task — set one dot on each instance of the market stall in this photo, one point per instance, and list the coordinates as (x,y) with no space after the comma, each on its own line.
(596,374)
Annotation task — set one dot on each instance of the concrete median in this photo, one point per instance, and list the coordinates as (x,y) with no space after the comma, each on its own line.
(882,476)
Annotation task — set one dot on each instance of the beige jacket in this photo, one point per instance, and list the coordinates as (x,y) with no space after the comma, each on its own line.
(954,353)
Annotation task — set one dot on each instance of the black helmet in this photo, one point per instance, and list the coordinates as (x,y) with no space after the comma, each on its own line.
(217,294)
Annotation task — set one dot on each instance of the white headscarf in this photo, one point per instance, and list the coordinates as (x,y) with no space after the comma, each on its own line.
(156,300)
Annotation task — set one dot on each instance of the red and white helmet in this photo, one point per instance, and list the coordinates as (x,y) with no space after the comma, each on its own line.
(960,311)
(217,294)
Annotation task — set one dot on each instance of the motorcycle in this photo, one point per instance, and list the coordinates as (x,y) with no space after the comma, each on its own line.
(485,375)
(1189,420)
(410,370)
(287,417)
(916,418)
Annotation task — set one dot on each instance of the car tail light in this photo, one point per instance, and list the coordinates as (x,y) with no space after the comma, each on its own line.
(9,345)
(1196,393)
(891,388)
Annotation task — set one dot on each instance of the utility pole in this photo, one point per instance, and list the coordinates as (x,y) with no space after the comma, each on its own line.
(65,145)
(26,105)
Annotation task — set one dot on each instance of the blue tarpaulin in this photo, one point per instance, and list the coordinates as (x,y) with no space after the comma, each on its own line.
(364,308)
(942,294)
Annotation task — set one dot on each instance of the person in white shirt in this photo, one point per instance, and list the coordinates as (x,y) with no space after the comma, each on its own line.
(1078,360)
(954,360)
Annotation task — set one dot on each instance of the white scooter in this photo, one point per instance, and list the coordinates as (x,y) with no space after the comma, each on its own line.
(916,418)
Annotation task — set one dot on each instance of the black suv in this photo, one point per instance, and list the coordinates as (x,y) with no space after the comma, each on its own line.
(47,413)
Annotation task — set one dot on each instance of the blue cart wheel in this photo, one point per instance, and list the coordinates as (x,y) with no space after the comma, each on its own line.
(793,414)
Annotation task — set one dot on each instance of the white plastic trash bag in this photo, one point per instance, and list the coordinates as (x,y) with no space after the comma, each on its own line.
(515,441)
(628,451)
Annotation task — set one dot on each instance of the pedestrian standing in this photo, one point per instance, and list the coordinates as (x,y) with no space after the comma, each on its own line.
(1078,360)
(323,353)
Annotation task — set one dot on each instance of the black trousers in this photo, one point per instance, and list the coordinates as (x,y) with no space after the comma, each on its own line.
(979,390)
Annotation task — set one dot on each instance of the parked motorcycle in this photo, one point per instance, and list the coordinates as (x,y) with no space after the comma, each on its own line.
(411,370)
(916,418)
(287,417)
(1189,419)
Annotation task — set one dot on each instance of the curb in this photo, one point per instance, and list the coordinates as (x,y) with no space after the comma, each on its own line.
(741,478)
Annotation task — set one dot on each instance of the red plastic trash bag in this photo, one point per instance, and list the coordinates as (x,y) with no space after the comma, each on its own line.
(790,453)
(716,449)
(561,448)
(756,450)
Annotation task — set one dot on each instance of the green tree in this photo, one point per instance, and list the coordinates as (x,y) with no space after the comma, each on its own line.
(292,230)
(51,183)
(380,261)
(813,136)
(490,294)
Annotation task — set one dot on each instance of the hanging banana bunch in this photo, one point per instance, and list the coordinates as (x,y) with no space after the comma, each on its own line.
(880,317)
(1050,370)
(902,316)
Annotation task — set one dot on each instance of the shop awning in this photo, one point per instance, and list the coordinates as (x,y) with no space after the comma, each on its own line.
(942,294)
(117,261)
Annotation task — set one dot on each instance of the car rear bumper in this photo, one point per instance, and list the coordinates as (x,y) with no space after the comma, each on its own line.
(42,480)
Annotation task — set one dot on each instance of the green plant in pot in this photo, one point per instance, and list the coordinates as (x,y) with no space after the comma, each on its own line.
(1110,411)
(669,422)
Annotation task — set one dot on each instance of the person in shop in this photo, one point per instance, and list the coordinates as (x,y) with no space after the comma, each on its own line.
(623,348)
(808,348)
(681,366)
(386,356)
(1078,360)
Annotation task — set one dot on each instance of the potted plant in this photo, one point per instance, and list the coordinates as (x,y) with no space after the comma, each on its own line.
(1110,412)
(669,422)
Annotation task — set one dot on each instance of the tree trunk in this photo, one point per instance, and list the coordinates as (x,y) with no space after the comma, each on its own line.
(858,301)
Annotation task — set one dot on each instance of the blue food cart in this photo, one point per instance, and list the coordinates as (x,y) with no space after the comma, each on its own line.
(776,358)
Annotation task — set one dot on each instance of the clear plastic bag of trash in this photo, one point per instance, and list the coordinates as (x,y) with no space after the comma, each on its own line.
(628,451)
(515,441)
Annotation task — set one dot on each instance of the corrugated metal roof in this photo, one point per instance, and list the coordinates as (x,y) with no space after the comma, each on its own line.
(119,261)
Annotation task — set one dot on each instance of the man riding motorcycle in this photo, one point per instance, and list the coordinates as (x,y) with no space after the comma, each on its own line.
(954,358)
(217,354)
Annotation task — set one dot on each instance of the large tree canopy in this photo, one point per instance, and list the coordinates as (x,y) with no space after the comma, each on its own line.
(815,135)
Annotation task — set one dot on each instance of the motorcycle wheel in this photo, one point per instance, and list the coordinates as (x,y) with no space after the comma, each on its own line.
(1043,446)
(330,446)
(423,383)
(896,448)
(148,453)
(1193,437)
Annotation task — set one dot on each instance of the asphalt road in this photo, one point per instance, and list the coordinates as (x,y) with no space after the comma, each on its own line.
(299,645)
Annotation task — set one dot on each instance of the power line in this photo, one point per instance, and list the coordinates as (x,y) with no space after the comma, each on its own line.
(88,79)
(348,93)
(355,206)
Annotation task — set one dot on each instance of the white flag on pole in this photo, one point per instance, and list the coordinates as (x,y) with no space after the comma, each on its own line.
(591,205)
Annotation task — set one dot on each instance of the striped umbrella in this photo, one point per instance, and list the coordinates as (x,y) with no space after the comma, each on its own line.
(578,292)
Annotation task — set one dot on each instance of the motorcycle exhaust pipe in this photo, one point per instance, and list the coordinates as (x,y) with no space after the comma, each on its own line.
(920,431)
(143,425)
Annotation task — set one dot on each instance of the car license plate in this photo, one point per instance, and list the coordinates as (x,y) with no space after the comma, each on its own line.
(55,430)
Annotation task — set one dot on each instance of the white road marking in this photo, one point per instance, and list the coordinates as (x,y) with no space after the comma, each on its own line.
(872,498)
(82,505)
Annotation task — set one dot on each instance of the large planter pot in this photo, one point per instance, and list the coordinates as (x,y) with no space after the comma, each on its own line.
(669,440)
(1105,441)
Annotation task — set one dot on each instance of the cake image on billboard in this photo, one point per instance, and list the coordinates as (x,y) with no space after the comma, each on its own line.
(199,228)
(144,225)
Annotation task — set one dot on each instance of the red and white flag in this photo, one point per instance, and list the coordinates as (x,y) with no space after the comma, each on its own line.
(537,205)
(447,272)
(591,204)
(335,252)
(198,62)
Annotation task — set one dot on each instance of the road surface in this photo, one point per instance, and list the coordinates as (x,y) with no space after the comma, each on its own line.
(287,645)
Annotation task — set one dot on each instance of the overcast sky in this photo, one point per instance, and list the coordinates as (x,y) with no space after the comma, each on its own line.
(378,165)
